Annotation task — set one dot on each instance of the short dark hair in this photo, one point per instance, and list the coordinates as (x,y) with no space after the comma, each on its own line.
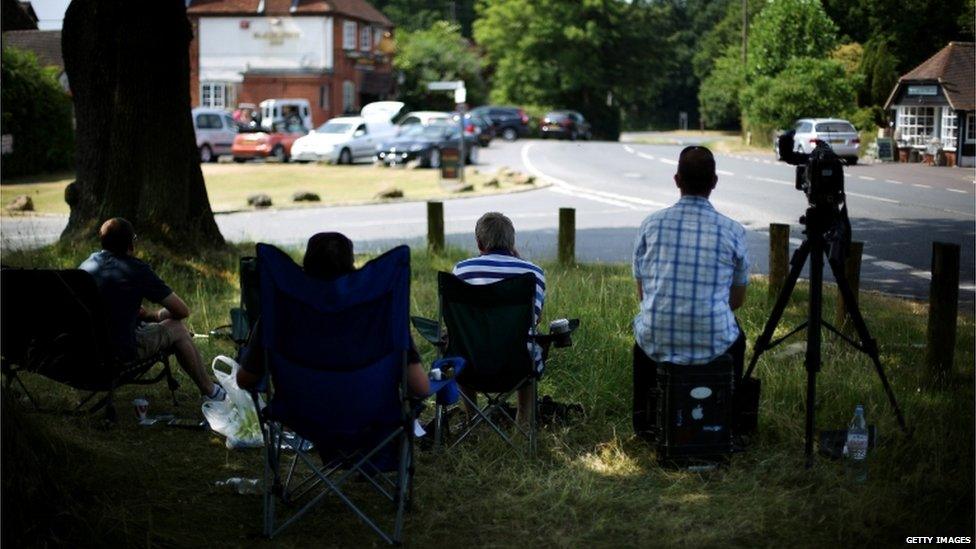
(328,255)
(494,231)
(117,235)
(696,170)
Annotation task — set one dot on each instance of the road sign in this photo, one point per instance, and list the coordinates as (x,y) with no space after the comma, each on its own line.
(449,163)
(886,149)
(460,95)
(445,86)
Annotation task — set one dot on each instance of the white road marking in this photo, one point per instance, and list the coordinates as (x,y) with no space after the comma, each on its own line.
(564,187)
(870,197)
(770,180)
(632,175)
(891,265)
(723,172)
(920,186)
(645,155)
(867,257)
(960,191)
(866,178)
(766,162)
(922,274)
(669,161)
(893,182)
(628,148)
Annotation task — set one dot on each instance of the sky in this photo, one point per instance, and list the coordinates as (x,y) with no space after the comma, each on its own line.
(49,13)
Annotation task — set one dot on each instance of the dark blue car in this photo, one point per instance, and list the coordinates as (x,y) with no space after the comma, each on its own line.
(425,143)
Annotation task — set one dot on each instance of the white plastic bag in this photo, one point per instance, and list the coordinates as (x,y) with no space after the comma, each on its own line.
(235,417)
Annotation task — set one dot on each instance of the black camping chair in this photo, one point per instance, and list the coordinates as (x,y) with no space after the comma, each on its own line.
(490,327)
(53,324)
(244,317)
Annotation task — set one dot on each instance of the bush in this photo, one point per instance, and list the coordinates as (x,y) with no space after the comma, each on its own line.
(37,112)
(718,96)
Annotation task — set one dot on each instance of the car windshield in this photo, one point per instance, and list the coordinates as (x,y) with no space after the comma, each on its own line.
(835,127)
(554,116)
(334,127)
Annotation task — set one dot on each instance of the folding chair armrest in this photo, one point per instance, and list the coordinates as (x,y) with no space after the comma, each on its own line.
(429,330)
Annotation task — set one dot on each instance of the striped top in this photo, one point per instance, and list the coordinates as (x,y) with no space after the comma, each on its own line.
(498,265)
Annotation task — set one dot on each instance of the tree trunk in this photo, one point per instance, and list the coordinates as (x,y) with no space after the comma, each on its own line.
(128,65)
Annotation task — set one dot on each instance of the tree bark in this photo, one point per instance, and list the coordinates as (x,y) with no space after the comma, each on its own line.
(128,65)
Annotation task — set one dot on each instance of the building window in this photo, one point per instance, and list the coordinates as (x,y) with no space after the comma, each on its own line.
(916,125)
(365,38)
(970,128)
(348,96)
(950,128)
(214,94)
(349,35)
(324,97)
(377,36)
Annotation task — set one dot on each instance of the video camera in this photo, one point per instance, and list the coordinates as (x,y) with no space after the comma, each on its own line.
(820,175)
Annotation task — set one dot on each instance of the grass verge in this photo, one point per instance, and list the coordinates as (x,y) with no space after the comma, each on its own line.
(592,483)
(229,185)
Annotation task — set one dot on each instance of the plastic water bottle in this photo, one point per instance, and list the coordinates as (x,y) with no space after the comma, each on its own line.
(856,448)
(242,485)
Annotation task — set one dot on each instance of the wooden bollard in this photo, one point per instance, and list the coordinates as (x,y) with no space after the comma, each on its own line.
(779,257)
(435,227)
(852,271)
(943,308)
(567,236)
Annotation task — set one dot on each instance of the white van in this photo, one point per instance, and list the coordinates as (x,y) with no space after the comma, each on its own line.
(215,130)
(282,110)
(346,139)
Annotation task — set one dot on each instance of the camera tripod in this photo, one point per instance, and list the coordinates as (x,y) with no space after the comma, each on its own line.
(817,222)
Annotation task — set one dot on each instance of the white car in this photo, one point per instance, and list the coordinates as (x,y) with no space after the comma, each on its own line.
(424,118)
(839,134)
(215,130)
(346,139)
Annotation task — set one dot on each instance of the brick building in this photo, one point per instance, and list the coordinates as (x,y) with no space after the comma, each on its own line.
(326,51)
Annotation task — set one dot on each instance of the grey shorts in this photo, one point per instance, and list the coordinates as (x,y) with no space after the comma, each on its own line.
(151,338)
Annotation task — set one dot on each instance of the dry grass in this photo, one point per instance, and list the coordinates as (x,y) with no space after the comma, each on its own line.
(593,484)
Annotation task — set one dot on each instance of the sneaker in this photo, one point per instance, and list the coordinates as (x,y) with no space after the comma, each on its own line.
(218,394)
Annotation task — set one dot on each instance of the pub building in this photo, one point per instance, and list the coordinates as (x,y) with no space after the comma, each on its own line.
(335,53)
(936,101)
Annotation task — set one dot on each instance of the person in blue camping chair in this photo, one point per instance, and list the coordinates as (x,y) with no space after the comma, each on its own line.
(327,256)
(499,260)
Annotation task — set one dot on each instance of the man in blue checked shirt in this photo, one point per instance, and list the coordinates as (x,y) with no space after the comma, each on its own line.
(499,260)
(691,269)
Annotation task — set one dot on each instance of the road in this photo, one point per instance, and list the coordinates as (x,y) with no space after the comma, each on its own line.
(897,210)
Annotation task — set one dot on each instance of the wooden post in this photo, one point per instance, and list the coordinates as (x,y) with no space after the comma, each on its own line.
(779,257)
(567,236)
(943,309)
(852,271)
(435,227)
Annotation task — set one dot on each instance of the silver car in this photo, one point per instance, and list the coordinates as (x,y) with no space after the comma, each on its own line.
(839,134)
(215,131)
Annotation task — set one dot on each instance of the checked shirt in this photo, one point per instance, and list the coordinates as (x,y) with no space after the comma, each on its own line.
(686,258)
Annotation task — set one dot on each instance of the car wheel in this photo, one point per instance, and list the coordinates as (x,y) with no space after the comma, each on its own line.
(509,134)
(851,160)
(239,160)
(473,155)
(545,135)
(345,157)
(206,154)
(573,135)
(434,159)
(279,153)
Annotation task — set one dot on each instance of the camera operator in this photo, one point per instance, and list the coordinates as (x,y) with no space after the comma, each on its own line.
(691,269)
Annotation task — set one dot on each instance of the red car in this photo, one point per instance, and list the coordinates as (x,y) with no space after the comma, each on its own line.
(262,144)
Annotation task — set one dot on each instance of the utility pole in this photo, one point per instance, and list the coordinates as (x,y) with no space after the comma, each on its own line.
(745,31)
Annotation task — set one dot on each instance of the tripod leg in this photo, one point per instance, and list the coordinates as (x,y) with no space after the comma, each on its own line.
(869,345)
(796,265)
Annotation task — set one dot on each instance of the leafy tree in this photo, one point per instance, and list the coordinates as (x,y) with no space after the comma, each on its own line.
(718,96)
(807,87)
(879,72)
(37,113)
(411,15)
(716,42)
(437,53)
(788,29)
(596,56)
(849,55)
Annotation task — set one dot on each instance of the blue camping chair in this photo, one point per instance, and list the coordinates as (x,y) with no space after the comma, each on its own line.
(336,351)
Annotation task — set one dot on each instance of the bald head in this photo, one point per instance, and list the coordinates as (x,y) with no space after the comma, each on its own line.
(117,235)
(696,171)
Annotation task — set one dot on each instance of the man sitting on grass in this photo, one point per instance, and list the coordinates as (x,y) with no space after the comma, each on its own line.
(691,269)
(123,282)
(499,260)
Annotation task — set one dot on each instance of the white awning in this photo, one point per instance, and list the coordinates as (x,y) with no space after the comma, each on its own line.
(220,75)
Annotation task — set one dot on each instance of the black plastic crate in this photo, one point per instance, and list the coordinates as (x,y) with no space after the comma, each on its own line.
(695,410)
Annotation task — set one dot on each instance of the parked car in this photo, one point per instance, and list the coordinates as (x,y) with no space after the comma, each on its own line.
(425,143)
(509,123)
(476,126)
(276,143)
(565,125)
(289,111)
(215,131)
(839,134)
(346,139)
(423,118)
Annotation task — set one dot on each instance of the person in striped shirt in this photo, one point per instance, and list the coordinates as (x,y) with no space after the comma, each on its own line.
(499,260)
